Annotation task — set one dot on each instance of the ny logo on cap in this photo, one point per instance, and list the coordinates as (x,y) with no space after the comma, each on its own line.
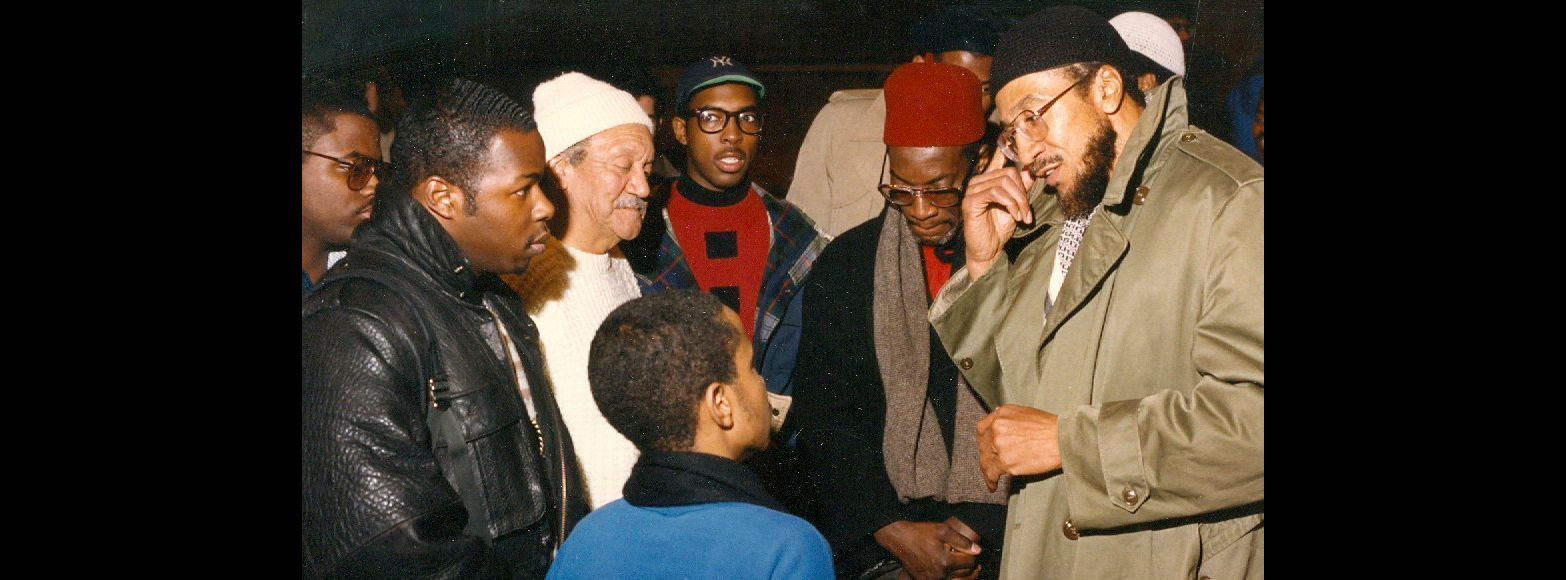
(718,61)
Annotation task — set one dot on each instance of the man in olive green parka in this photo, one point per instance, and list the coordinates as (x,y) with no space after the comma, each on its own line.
(1119,333)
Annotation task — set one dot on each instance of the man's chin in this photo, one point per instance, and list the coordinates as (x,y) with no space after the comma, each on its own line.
(937,240)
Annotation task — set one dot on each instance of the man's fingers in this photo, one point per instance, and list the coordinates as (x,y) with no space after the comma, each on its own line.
(1002,188)
(990,465)
(984,423)
(958,542)
(997,160)
(961,527)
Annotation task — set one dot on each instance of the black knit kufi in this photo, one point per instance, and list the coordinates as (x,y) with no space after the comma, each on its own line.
(1053,37)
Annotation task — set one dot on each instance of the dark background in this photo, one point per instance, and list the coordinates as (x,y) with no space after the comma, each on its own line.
(802,50)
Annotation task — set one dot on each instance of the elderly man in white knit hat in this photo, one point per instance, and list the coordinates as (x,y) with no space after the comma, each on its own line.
(599,147)
(1155,47)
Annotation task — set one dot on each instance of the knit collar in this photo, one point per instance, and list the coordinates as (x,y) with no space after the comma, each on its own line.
(590,262)
(693,191)
(676,478)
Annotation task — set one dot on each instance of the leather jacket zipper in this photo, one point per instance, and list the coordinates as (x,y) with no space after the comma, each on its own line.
(512,354)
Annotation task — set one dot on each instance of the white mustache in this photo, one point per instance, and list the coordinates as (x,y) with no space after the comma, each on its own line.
(630,202)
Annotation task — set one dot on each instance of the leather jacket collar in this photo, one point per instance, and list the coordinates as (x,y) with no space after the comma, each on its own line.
(402,228)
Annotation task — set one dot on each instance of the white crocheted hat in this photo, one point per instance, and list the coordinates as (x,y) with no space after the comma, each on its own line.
(1152,37)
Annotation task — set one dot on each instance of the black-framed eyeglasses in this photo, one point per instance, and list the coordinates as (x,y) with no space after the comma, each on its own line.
(901,195)
(1031,126)
(360,169)
(713,120)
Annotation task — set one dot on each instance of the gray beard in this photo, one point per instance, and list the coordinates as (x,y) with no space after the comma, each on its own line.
(945,240)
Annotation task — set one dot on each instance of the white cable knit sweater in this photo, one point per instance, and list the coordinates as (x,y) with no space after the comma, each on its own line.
(569,293)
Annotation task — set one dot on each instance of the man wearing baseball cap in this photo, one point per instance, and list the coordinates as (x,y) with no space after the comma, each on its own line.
(726,235)
(886,423)
(599,148)
(1119,337)
(723,234)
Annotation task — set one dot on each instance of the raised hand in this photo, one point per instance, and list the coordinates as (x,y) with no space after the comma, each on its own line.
(995,202)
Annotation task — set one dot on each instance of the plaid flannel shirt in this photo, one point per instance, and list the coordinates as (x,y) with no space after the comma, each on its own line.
(794,247)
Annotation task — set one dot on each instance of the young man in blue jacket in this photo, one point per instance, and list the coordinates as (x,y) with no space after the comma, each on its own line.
(673,373)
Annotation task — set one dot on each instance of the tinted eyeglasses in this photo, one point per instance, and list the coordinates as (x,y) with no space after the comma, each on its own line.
(360,169)
(1028,121)
(713,120)
(901,195)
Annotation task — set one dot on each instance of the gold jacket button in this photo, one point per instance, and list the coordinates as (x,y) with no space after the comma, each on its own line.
(1070,530)
(1129,495)
(1188,137)
(1141,195)
(965,363)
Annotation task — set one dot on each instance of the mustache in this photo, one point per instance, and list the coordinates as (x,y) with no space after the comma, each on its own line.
(1038,164)
(630,202)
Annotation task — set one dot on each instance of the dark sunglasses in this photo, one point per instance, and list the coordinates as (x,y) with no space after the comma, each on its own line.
(360,169)
(904,196)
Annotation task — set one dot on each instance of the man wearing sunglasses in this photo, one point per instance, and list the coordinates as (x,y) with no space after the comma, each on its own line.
(885,420)
(1111,310)
(341,157)
(835,172)
(432,445)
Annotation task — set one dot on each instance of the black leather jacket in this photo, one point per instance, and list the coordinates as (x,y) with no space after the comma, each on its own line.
(392,486)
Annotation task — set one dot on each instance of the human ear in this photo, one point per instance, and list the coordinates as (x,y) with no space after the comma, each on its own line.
(1110,90)
(439,196)
(678,123)
(1146,82)
(562,169)
(718,403)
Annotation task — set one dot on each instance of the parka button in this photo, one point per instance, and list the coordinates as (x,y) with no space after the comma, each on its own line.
(965,363)
(1141,195)
(1188,137)
(1128,495)
(1070,530)
(774,412)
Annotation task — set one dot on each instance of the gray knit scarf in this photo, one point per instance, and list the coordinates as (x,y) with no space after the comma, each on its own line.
(915,453)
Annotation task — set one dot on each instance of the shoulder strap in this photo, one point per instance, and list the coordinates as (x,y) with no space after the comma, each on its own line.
(434,384)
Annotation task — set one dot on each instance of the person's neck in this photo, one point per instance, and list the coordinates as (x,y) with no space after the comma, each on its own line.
(314,259)
(696,192)
(1124,123)
(588,240)
(710,440)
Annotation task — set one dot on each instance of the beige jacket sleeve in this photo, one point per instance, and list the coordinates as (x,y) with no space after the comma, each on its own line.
(811,188)
(963,314)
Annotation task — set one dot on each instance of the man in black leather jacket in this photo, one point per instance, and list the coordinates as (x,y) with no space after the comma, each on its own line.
(432,446)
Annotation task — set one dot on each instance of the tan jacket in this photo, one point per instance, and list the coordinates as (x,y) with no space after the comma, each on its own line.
(839,164)
(1152,358)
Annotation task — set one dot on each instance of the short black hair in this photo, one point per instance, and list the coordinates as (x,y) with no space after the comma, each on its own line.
(968,28)
(321,100)
(652,360)
(447,133)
